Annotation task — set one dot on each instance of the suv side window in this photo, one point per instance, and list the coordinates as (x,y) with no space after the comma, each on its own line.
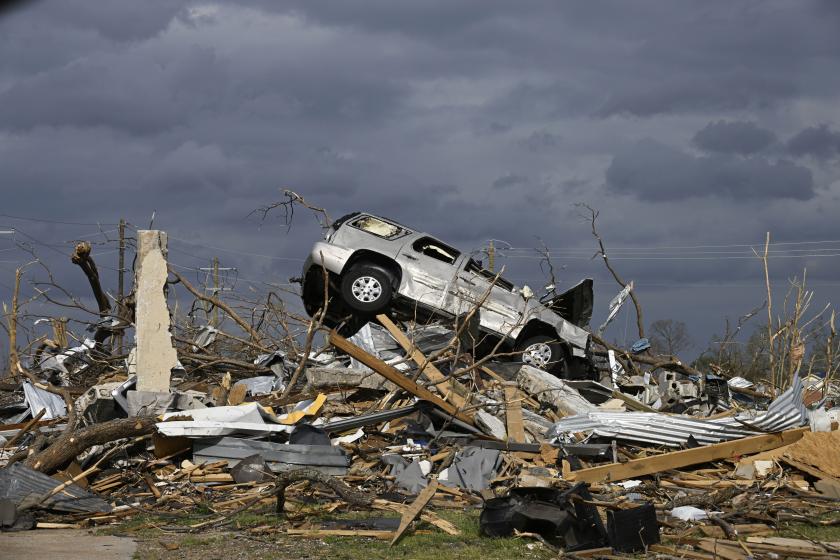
(475,267)
(379,228)
(436,250)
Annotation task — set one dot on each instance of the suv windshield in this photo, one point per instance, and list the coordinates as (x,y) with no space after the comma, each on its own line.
(378,227)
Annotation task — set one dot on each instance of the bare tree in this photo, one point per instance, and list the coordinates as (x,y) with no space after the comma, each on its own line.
(591,215)
(669,337)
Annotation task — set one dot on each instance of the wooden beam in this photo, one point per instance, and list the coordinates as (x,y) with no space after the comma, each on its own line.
(632,403)
(513,414)
(393,375)
(320,533)
(686,457)
(414,509)
(453,391)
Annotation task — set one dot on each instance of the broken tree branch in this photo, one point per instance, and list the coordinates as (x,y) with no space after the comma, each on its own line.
(255,336)
(602,252)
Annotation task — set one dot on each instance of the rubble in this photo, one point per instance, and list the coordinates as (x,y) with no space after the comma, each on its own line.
(401,417)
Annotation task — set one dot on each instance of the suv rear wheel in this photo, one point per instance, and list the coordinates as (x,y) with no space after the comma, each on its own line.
(546,353)
(366,288)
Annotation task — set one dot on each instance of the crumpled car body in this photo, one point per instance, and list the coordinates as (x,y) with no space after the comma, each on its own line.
(425,277)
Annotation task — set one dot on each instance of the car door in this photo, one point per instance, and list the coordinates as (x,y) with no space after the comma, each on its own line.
(501,310)
(429,273)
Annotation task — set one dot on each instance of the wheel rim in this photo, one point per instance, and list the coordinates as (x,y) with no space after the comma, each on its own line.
(366,289)
(538,355)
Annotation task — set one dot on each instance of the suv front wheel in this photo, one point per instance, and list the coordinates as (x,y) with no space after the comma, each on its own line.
(366,288)
(546,353)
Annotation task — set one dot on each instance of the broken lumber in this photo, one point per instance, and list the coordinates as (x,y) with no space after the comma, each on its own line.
(396,377)
(513,414)
(686,457)
(456,392)
(414,509)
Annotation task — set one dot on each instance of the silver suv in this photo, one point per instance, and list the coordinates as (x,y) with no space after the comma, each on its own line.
(376,265)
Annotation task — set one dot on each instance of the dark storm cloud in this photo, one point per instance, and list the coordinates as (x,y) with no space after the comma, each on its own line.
(731,91)
(202,112)
(117,20)
(540,140)
(509,180)
(733,137)
(654,171)
(819,141)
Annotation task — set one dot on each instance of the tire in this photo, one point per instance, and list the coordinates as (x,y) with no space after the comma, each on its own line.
(367,289)
(546,353)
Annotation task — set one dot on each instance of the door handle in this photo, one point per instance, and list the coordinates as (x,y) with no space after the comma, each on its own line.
(467,280)
(409,257)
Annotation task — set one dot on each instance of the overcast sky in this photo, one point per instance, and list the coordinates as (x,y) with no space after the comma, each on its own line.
(693,127)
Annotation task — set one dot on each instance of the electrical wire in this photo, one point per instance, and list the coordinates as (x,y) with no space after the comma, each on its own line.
(56,221)
(236,251)
(667,258)
(820,241)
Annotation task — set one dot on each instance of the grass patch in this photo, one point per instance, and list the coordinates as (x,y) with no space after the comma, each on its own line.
(826,533)
(434,546)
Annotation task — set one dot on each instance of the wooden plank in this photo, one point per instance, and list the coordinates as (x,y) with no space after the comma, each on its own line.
(395,376)
(318,533)
(594,552)
(686,457)
(414,509)
(453,391)
(632,403)
(722,549)
(680,552)
(742,528)
(513,414)
(221,477)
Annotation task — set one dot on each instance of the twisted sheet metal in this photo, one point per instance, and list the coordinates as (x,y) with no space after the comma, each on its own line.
(786,412)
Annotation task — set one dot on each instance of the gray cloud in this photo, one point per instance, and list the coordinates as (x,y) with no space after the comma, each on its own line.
(509,180)
(819,141)
(728,91)
(733,137)
(540,140)
(654,171)
(202,112)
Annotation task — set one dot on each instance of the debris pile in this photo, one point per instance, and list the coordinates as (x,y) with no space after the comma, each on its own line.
(404,418)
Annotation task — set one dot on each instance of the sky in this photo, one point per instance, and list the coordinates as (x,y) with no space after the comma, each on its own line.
(692,127)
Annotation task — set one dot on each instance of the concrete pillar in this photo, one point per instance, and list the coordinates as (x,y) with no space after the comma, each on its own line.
(155,354)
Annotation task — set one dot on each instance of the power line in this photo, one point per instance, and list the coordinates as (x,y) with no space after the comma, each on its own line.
(197,269)
(236,251)
(674,258)
(56,221)
(619,248)
(573,252)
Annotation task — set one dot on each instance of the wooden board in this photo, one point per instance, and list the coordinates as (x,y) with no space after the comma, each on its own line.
(318,533)
(686,457)
(395,376)
(513,414)
(414,509)
(453,391)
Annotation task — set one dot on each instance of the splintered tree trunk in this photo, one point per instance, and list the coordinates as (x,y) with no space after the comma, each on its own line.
(81,257)
(73,442)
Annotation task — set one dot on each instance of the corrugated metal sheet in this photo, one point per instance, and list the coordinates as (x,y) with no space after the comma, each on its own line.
(326,458)
(19,481)
(786,412)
